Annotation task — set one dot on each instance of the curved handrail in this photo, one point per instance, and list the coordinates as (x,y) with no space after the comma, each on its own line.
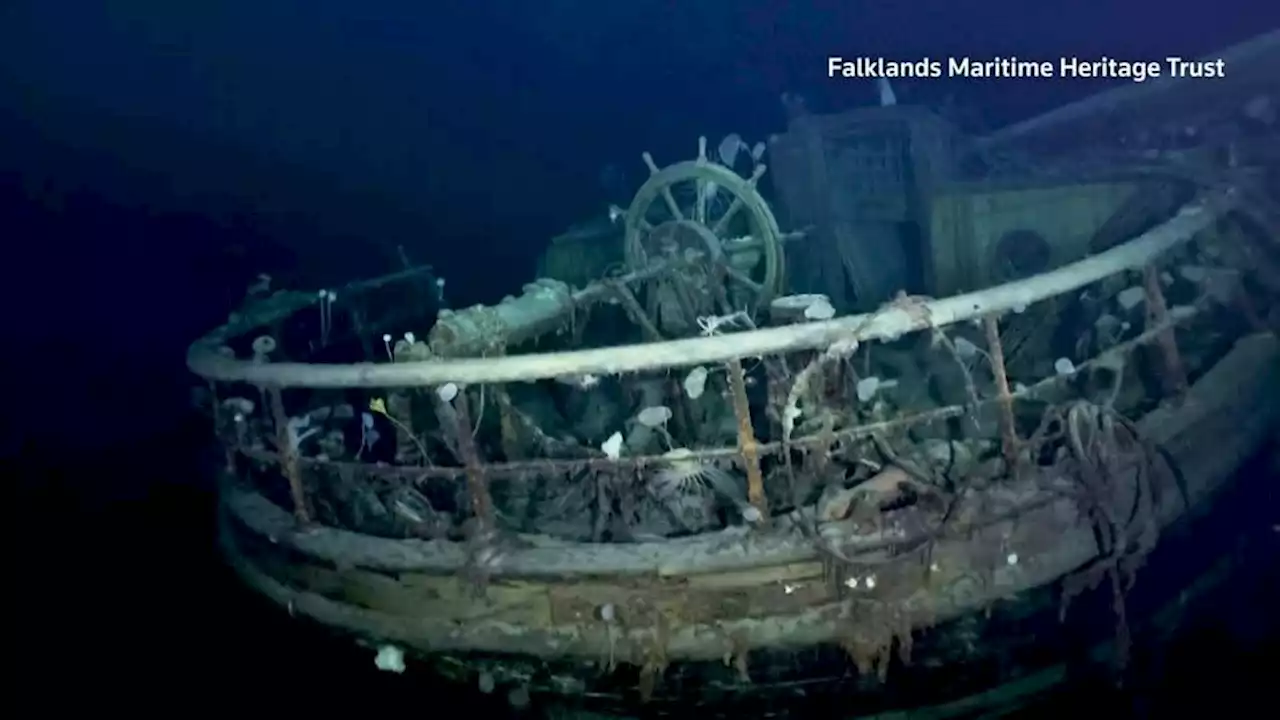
(887,323)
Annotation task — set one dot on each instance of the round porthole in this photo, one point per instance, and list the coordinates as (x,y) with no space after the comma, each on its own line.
(1021,253)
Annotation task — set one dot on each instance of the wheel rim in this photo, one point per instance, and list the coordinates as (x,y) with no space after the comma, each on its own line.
(744,201)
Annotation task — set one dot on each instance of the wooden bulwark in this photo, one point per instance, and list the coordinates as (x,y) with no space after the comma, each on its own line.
(777,599)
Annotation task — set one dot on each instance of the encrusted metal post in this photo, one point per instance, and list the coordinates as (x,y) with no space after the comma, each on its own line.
(287,448)
(399,409)
(747,443)
(1173,375)
(230,445)
(508,426)
(481,500)
(1008,432)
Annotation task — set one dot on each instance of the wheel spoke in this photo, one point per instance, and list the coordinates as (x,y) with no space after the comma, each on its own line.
(671,204)
(700,200)
(742,279)
(723,222)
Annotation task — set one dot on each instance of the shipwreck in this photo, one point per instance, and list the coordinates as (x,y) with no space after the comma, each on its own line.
(849,444)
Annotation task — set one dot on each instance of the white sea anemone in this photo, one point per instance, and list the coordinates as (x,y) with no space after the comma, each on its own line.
(695,382)
(263,345)
(730,146)
(612,448)
(239,405)
(684,473)
(390,659)
(820,309)
(965,349)
(1131,297)
(447,392)
(867,388)
(654,416)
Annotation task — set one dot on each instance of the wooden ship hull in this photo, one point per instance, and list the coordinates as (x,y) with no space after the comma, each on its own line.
(765,626)
(936,591)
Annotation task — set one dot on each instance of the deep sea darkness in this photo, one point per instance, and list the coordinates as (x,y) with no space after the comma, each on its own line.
(122,601)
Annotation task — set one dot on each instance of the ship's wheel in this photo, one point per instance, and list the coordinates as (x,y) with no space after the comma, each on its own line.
(716,230)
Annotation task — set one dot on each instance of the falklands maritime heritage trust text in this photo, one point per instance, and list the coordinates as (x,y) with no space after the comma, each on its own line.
(1012,67)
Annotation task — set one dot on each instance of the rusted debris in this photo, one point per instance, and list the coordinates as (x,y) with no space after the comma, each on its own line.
(1108,450)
